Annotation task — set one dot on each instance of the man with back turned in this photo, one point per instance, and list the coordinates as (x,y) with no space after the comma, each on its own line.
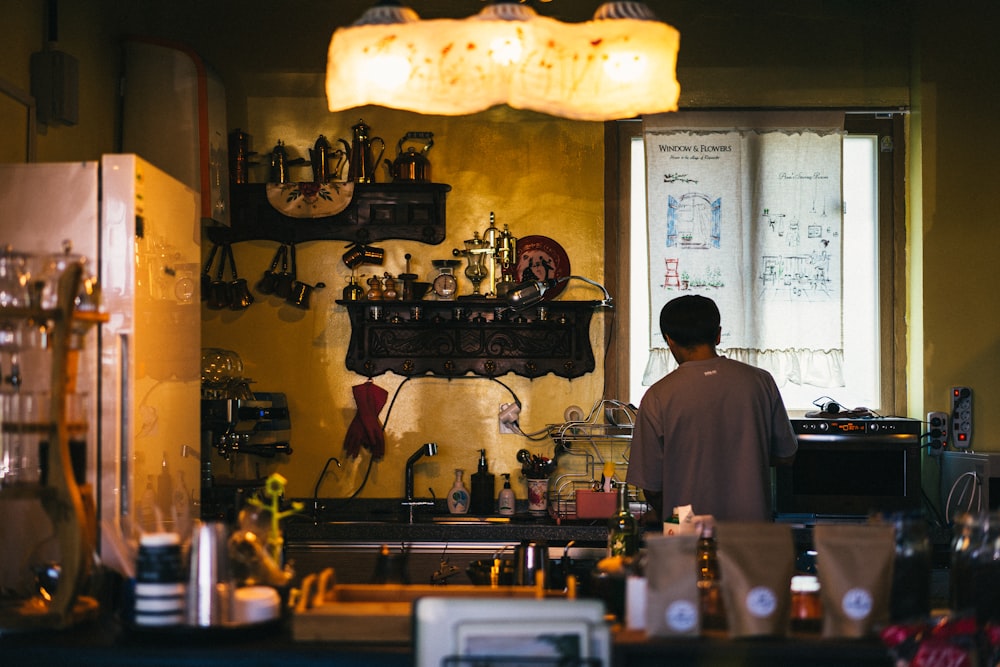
(707,433)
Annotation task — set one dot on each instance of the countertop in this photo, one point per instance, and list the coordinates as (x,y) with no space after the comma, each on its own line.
(377,520)
(106,644)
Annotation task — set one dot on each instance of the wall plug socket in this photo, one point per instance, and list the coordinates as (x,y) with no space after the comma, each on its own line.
(937,433)
(509,413)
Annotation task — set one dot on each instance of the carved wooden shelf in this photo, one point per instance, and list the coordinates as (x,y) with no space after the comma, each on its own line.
(453,338)
(378,211)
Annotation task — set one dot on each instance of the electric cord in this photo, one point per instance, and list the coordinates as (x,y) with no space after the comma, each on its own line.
(939,520)
(395,394)
(546,432)
(975,493)
(322,474)
(535,436)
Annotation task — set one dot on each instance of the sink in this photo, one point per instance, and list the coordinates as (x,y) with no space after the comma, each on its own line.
(377,511)
(465,520)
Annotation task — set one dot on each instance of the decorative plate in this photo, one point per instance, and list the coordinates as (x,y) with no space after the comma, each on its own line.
(541,258)
(310,200)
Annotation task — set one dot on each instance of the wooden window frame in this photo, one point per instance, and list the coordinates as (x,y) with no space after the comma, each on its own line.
(890,128)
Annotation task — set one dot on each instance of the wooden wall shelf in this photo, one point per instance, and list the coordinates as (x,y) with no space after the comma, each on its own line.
(452,338)
(378,211)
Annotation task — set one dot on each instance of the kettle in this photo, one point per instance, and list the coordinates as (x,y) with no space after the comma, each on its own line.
(411,165)
(362,167)
(327,162)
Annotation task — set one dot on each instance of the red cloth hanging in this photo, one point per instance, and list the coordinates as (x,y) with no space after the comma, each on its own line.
(365,430)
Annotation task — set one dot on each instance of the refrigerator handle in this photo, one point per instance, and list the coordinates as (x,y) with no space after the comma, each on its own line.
(124,411)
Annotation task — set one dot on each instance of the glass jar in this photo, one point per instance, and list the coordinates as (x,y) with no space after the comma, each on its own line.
(975,566)
(807,607)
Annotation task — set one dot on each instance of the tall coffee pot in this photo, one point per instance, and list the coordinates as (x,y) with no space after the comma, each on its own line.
(327,162)
(363,161)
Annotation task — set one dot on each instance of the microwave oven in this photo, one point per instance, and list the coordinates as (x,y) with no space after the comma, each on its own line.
(848,469)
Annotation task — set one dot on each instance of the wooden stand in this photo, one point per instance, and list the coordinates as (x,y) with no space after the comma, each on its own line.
(60,497)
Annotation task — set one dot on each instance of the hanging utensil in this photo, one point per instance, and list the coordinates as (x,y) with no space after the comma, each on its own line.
(269,281)
(218,291)
(300,291)
(206,278)
(240,297)
(283,288)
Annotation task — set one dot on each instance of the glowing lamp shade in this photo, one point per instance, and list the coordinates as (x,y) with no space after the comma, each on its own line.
(618,65)
(599,70)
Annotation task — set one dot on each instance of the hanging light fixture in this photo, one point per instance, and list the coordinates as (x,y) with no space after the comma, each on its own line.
(618,65)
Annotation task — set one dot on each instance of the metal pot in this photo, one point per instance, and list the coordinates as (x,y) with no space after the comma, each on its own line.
(531,560)
(391,568)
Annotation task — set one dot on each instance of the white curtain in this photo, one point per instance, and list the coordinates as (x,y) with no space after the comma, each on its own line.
(750,216)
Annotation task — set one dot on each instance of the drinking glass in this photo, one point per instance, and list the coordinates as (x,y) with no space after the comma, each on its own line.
(25,433)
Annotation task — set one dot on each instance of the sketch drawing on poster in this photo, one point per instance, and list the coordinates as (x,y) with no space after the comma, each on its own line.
(797,275)
(753,220)
(694,222)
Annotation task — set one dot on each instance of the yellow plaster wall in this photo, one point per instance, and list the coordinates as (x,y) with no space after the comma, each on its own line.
(540,175)
(84,33)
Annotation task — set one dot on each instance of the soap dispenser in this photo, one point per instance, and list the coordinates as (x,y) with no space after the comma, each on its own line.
(483,487)
(505,501)
(458,496)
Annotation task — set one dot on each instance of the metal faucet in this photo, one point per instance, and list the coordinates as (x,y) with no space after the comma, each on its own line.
(426,449)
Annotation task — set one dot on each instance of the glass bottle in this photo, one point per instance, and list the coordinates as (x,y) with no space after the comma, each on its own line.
(353,291)
(975,566)
(623,529)
(911,573)
(708,579)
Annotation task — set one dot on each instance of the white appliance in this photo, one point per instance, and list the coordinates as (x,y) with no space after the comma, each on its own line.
(141,229)
(970,482)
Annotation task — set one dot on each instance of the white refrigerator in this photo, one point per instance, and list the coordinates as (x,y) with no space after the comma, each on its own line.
(141,231)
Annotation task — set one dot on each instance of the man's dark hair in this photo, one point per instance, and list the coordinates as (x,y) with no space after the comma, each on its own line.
(690,320)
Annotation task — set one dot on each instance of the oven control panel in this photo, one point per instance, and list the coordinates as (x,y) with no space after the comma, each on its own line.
(889,426)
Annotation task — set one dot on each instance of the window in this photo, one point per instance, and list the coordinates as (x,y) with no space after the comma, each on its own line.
(872,304)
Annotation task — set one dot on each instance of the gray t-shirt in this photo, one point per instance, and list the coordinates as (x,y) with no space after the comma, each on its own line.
(705,435)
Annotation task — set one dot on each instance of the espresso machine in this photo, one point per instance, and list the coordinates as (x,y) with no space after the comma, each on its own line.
(240,430)
(237,435)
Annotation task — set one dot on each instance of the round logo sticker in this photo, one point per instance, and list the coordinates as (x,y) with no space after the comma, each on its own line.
(761,601)
(681,616)
(857,604)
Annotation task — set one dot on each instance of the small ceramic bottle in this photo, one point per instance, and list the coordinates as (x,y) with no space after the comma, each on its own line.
(458,496)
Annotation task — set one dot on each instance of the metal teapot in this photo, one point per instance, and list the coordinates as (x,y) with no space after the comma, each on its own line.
(362,167)
(328,162)
(412,165)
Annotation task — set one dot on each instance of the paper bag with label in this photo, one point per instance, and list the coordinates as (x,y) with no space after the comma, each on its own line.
(672,596)
(756,563)
(854,565)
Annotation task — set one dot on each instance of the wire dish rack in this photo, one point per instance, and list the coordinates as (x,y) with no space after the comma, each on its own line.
(582,450)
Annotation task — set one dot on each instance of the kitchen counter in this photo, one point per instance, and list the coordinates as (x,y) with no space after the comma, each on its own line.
(446,528)
(105,644)
(440,546)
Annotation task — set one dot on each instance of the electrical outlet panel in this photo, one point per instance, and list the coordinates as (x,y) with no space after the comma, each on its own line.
(509,413)
(961,417)
(937,432)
